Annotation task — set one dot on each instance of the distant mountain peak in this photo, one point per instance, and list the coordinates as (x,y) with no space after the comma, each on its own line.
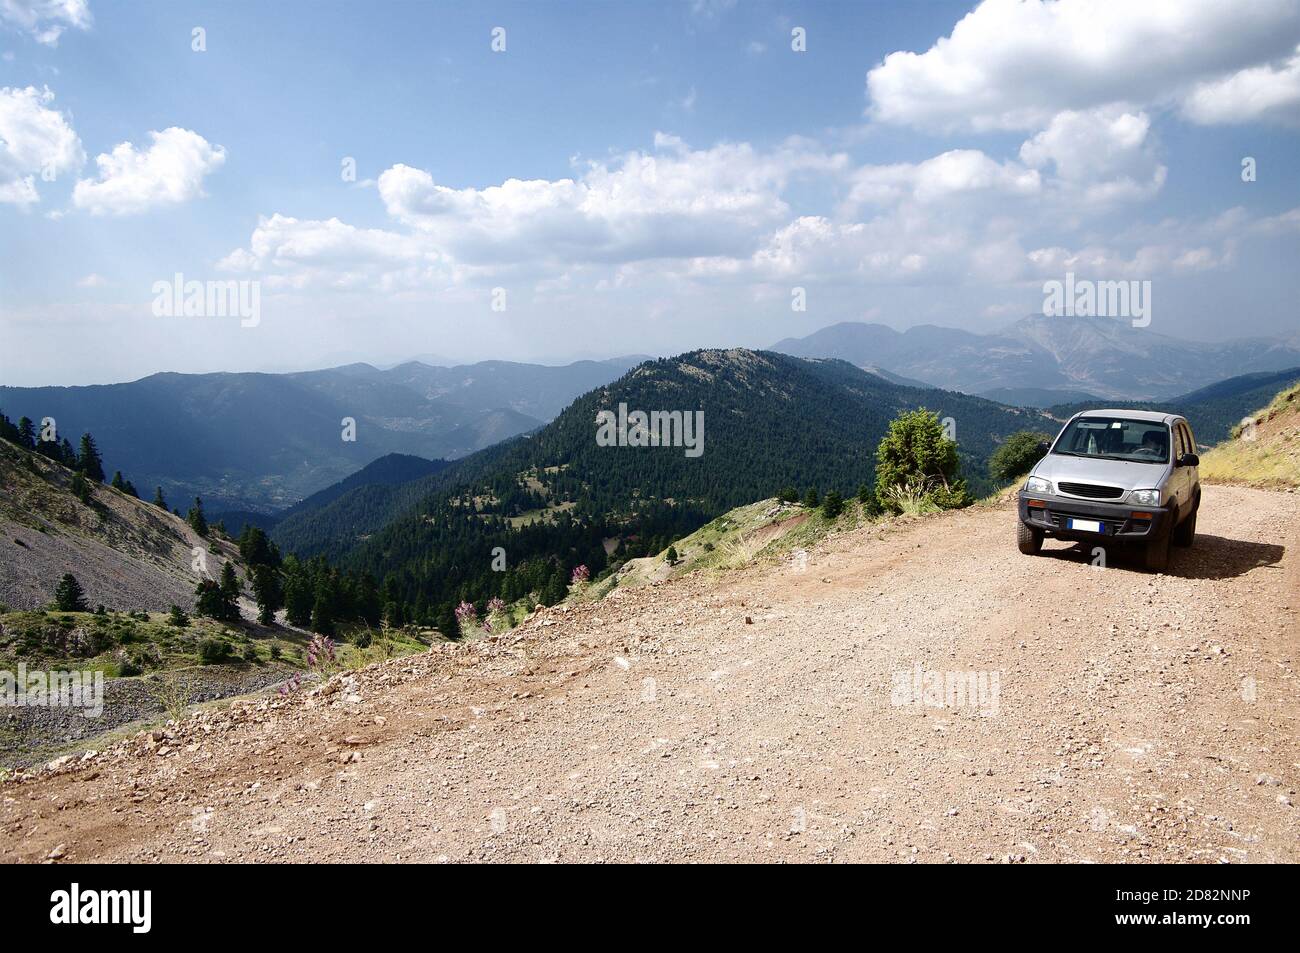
(1103,356)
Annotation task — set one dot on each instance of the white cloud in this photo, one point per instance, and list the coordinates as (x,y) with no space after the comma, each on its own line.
(305,253)
(1012,65)
(92,281)
(675,203)
(169,172)
(662,225)
(35,142)
(45,20)
(1100,155)
(1268,92)
(941,178)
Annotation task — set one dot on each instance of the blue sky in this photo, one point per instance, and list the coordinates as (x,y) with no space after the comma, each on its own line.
(636,177)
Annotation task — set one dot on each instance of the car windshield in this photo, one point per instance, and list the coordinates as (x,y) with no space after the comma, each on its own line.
(1115,438)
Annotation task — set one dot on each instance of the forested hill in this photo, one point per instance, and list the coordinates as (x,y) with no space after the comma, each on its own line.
(332,519)
(550,499)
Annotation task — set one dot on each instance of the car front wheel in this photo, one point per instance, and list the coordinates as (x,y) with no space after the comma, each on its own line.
(1029,540)
(1157,554)
(1185,534)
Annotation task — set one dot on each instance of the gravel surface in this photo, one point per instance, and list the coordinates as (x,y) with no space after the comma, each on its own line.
(768,715)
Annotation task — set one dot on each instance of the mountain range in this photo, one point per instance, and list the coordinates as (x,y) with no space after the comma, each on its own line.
(262,442)
(557,497)
(1027,361)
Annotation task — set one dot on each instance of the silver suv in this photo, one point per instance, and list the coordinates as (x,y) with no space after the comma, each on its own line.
(1126,476)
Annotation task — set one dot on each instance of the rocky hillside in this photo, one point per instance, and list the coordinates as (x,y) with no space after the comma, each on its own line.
(1264,449)
(127,554)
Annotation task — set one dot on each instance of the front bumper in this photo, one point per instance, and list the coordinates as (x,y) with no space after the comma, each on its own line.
(1051,515)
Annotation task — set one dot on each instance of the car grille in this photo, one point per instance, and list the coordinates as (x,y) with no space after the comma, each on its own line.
(1092,491)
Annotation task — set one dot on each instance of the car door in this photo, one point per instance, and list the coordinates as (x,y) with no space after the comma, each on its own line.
(1193,473)
(1178,476)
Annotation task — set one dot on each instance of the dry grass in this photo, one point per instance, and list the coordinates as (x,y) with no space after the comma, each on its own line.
(1265,451)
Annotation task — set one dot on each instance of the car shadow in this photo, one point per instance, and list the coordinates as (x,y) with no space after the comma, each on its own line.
(1210,557)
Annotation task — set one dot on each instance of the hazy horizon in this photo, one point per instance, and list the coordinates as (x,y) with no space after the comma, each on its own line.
(447,361)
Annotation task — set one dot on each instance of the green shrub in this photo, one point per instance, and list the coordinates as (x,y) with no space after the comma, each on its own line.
(213,651)
(832,505)
(917,466)
(127,665)
(1018,453)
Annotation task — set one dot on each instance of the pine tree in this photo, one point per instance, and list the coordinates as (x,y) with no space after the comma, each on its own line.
(51,449)
(556,589)
(118,483)
(298,598)
(368,606)
(26,433)
(812,499)
(393,615)
(231,587)
(323,608)
(89,461)
(68,596)
(268,591)
(671,555)
(210,601)
(158,499)
(198,522)
(832,505)
(255,547)
(447,622)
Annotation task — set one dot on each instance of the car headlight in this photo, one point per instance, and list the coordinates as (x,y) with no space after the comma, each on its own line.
(1038,485)
(1145,497)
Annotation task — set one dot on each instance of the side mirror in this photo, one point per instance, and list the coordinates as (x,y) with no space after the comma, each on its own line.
(1043,447)
(1189,460)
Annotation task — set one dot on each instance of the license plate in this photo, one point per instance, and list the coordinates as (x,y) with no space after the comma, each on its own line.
(1091,526)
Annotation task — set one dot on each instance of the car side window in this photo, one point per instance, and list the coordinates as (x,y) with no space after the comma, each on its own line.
(1178,441)
(1187,438)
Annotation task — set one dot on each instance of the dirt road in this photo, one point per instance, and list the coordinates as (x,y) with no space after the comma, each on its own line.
(772,714)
